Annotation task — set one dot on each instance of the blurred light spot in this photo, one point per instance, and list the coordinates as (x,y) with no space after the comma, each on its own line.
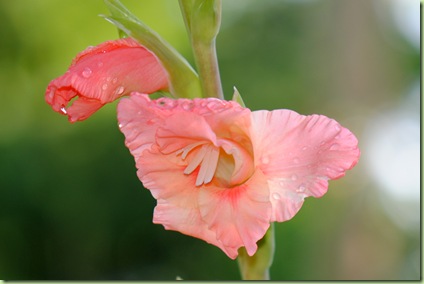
(406,14)
(392,154)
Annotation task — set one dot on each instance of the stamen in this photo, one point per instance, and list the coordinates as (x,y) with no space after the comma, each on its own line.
(196,161)
(208,166)
(188,148)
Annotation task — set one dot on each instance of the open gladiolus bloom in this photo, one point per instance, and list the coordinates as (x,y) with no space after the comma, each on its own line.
(222,173)
(219,171)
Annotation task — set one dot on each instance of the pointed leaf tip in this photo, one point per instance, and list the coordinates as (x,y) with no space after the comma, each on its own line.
(237,97)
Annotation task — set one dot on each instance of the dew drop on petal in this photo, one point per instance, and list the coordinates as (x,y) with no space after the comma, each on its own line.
(99,64)
(115,80)
(334,146)
(301,188)
(294,177)
(187,105)
(104,87)
(276,196)
(305,148)
(86,73)
(265,160)
(337,127)
(296,160)
(63,110)
(150,121)
(120,125)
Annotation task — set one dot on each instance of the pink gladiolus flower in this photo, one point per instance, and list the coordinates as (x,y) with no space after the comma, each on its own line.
(102,74)
(222,173)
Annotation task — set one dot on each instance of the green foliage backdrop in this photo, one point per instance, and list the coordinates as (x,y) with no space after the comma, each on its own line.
(71,206)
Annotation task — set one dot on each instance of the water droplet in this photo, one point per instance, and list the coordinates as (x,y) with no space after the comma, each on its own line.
(265,160)
(99,64)
(337,127)
(334,146)
(337,137)
(104,87)
(120,125)
(108,79)
(114,80)
(187,105)
(305,148)
(86,73)
(301,188)
(120,90)
(294,177)
(296,160)
(63,110)
(151,121)
(51,95)
(282,183)
(276,196)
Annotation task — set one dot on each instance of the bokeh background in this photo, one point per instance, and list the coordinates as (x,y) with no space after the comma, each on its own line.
(72,208)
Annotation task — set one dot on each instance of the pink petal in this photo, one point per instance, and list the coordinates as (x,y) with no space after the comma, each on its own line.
(238,215)
(160,134)
(298,154)
(102,74)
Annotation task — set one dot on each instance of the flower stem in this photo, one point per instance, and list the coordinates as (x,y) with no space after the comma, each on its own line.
(256,267)
(203,20)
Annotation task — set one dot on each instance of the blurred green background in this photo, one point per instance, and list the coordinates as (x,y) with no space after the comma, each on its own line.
(72,208)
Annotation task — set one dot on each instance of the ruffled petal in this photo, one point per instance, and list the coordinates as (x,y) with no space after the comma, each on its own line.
(299,154)
(102,74)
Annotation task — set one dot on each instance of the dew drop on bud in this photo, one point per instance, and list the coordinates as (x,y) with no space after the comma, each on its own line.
(120,90)
(86,73)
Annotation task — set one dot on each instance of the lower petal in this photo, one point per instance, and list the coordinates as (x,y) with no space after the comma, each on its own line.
(239,215)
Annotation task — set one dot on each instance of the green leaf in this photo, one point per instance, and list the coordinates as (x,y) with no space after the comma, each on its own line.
(237,97)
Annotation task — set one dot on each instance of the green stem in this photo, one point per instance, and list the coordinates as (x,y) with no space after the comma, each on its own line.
(256,267)
(203,19)
(207,65)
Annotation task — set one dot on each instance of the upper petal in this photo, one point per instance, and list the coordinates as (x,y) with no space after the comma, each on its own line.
(298,154)
(102,74)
